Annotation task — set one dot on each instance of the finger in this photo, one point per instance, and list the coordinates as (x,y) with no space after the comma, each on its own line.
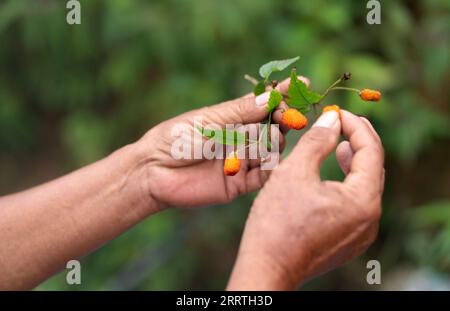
(283,87)
(369,124)
(316,144)
(366,169)
(344,155)
(379,139)
(256,153)
(244,110)
(256,178)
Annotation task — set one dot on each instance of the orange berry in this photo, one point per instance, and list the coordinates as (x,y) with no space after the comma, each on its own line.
(332,107)
(294,119)
(370,95)
(232,165)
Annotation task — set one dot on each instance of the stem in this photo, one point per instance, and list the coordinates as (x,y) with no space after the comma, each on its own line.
(252,80)
(345,89)
(334,84)
(269,123)
(314,110)
(329,88)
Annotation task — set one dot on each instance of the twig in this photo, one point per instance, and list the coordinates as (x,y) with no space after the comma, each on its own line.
(252,80)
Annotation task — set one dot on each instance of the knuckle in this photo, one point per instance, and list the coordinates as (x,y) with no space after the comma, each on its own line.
(206,112)
(305,80)
(367,207)
(243,105)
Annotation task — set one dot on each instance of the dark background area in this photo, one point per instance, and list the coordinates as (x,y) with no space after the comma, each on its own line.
(70,95)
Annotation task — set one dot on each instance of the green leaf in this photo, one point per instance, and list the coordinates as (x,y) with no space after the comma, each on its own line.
(259,88)
(277,65)
(223,136)
(275,99)
(299,96)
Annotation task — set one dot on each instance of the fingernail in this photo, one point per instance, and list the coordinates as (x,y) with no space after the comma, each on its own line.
(262,99)
(365,118)
(362,116)
(327,119)
(304,80)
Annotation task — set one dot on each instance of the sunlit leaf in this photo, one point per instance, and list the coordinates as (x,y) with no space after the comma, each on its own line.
(277,65)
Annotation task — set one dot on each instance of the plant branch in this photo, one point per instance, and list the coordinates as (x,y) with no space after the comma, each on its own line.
(344,89)
(346,76)
(252,80)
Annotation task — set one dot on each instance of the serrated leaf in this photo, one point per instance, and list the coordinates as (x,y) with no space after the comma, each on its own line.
(275,99)
(223,136)
(259,88)
(276,65)
(299,96)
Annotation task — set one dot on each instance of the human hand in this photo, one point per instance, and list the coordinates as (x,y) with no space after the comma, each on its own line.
(300,226)
(198,182)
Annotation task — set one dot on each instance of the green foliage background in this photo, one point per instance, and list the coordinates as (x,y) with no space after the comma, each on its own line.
(69,95)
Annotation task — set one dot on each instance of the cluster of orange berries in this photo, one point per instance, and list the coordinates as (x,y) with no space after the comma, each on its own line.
(294,119)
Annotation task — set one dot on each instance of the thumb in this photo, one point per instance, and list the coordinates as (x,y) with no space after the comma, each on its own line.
(243,110)
(246,109)
(317,143)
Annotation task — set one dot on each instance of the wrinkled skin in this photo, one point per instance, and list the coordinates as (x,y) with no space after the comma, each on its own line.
(300,226)
(191,183)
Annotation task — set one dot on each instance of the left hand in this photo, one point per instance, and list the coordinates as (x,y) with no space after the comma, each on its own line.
(199,182)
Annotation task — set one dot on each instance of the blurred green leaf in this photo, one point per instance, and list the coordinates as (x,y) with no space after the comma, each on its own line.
(432,214)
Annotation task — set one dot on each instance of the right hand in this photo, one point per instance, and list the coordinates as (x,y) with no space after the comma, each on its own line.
(300,226)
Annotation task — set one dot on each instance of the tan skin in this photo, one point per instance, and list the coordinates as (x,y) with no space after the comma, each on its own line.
(284,241)
(314,225)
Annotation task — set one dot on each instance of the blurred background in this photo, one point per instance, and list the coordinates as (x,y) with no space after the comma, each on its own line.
(70,95)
